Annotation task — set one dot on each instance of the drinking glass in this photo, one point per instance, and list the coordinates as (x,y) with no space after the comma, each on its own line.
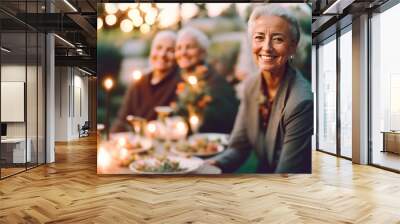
(136,124)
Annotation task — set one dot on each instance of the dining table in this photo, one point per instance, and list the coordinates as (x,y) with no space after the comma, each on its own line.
(159,147)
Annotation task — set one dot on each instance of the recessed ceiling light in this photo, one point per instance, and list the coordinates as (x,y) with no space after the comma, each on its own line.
(70,5)
(64,40)
(5,49)
(84,71)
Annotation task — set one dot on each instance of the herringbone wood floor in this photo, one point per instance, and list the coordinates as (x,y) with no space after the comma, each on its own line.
(69,191)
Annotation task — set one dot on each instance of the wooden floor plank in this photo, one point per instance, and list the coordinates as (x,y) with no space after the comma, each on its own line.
(70,191)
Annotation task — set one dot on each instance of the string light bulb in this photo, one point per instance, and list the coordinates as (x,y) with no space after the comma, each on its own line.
(192,80)
(136,75)
(99,23)
(145,28)
(126,25)
(111,20)
(110,8)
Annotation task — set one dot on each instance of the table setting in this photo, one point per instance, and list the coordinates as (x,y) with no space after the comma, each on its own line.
(169,145)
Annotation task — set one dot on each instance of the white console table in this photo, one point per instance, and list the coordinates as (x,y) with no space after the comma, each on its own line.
(18,149)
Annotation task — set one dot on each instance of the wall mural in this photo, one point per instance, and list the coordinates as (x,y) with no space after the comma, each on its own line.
(204,88)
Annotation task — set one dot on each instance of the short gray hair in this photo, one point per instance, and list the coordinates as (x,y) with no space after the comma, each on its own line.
(275,10)
(200,37)
(163,34)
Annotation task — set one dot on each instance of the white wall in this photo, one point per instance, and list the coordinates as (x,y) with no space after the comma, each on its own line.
(12,73)
(33,126)
(80,102)
(61,103)
(71,93)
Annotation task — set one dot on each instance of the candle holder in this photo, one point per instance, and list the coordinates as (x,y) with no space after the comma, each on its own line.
(194,119)
(108,84)
(177,128)
(163,112)
(137,124)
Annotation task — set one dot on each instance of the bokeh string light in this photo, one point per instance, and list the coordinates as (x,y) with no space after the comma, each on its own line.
(126,25)
(99,23)
(111,19)
(129,17)
(155,15)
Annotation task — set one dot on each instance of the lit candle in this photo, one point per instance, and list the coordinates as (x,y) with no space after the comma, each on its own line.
(181,129)
(122,142)
(103,158)
(192,80)
(151,129)
(194,122)
(123,153)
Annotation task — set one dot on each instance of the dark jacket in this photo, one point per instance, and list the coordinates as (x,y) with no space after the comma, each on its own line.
(142,97)
(286,146)
(220,113)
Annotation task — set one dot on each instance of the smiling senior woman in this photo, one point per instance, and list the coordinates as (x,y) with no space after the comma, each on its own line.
(276,114)
(154,89)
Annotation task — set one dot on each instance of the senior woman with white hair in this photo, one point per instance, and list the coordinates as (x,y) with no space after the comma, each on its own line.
(154,89)
(276,114)
(190,53)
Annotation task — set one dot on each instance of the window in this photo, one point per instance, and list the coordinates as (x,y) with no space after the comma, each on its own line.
(22,75)
(327,96)
(385,88)
(346,93)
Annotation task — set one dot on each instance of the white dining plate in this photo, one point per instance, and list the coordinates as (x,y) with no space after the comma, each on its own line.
(188,164)
(174,149)
(224,138)
(223,142)
(145,143)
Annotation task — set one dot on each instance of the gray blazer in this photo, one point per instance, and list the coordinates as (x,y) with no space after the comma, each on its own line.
(286,146)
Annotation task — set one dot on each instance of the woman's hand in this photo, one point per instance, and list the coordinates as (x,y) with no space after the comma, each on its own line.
(212,162)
